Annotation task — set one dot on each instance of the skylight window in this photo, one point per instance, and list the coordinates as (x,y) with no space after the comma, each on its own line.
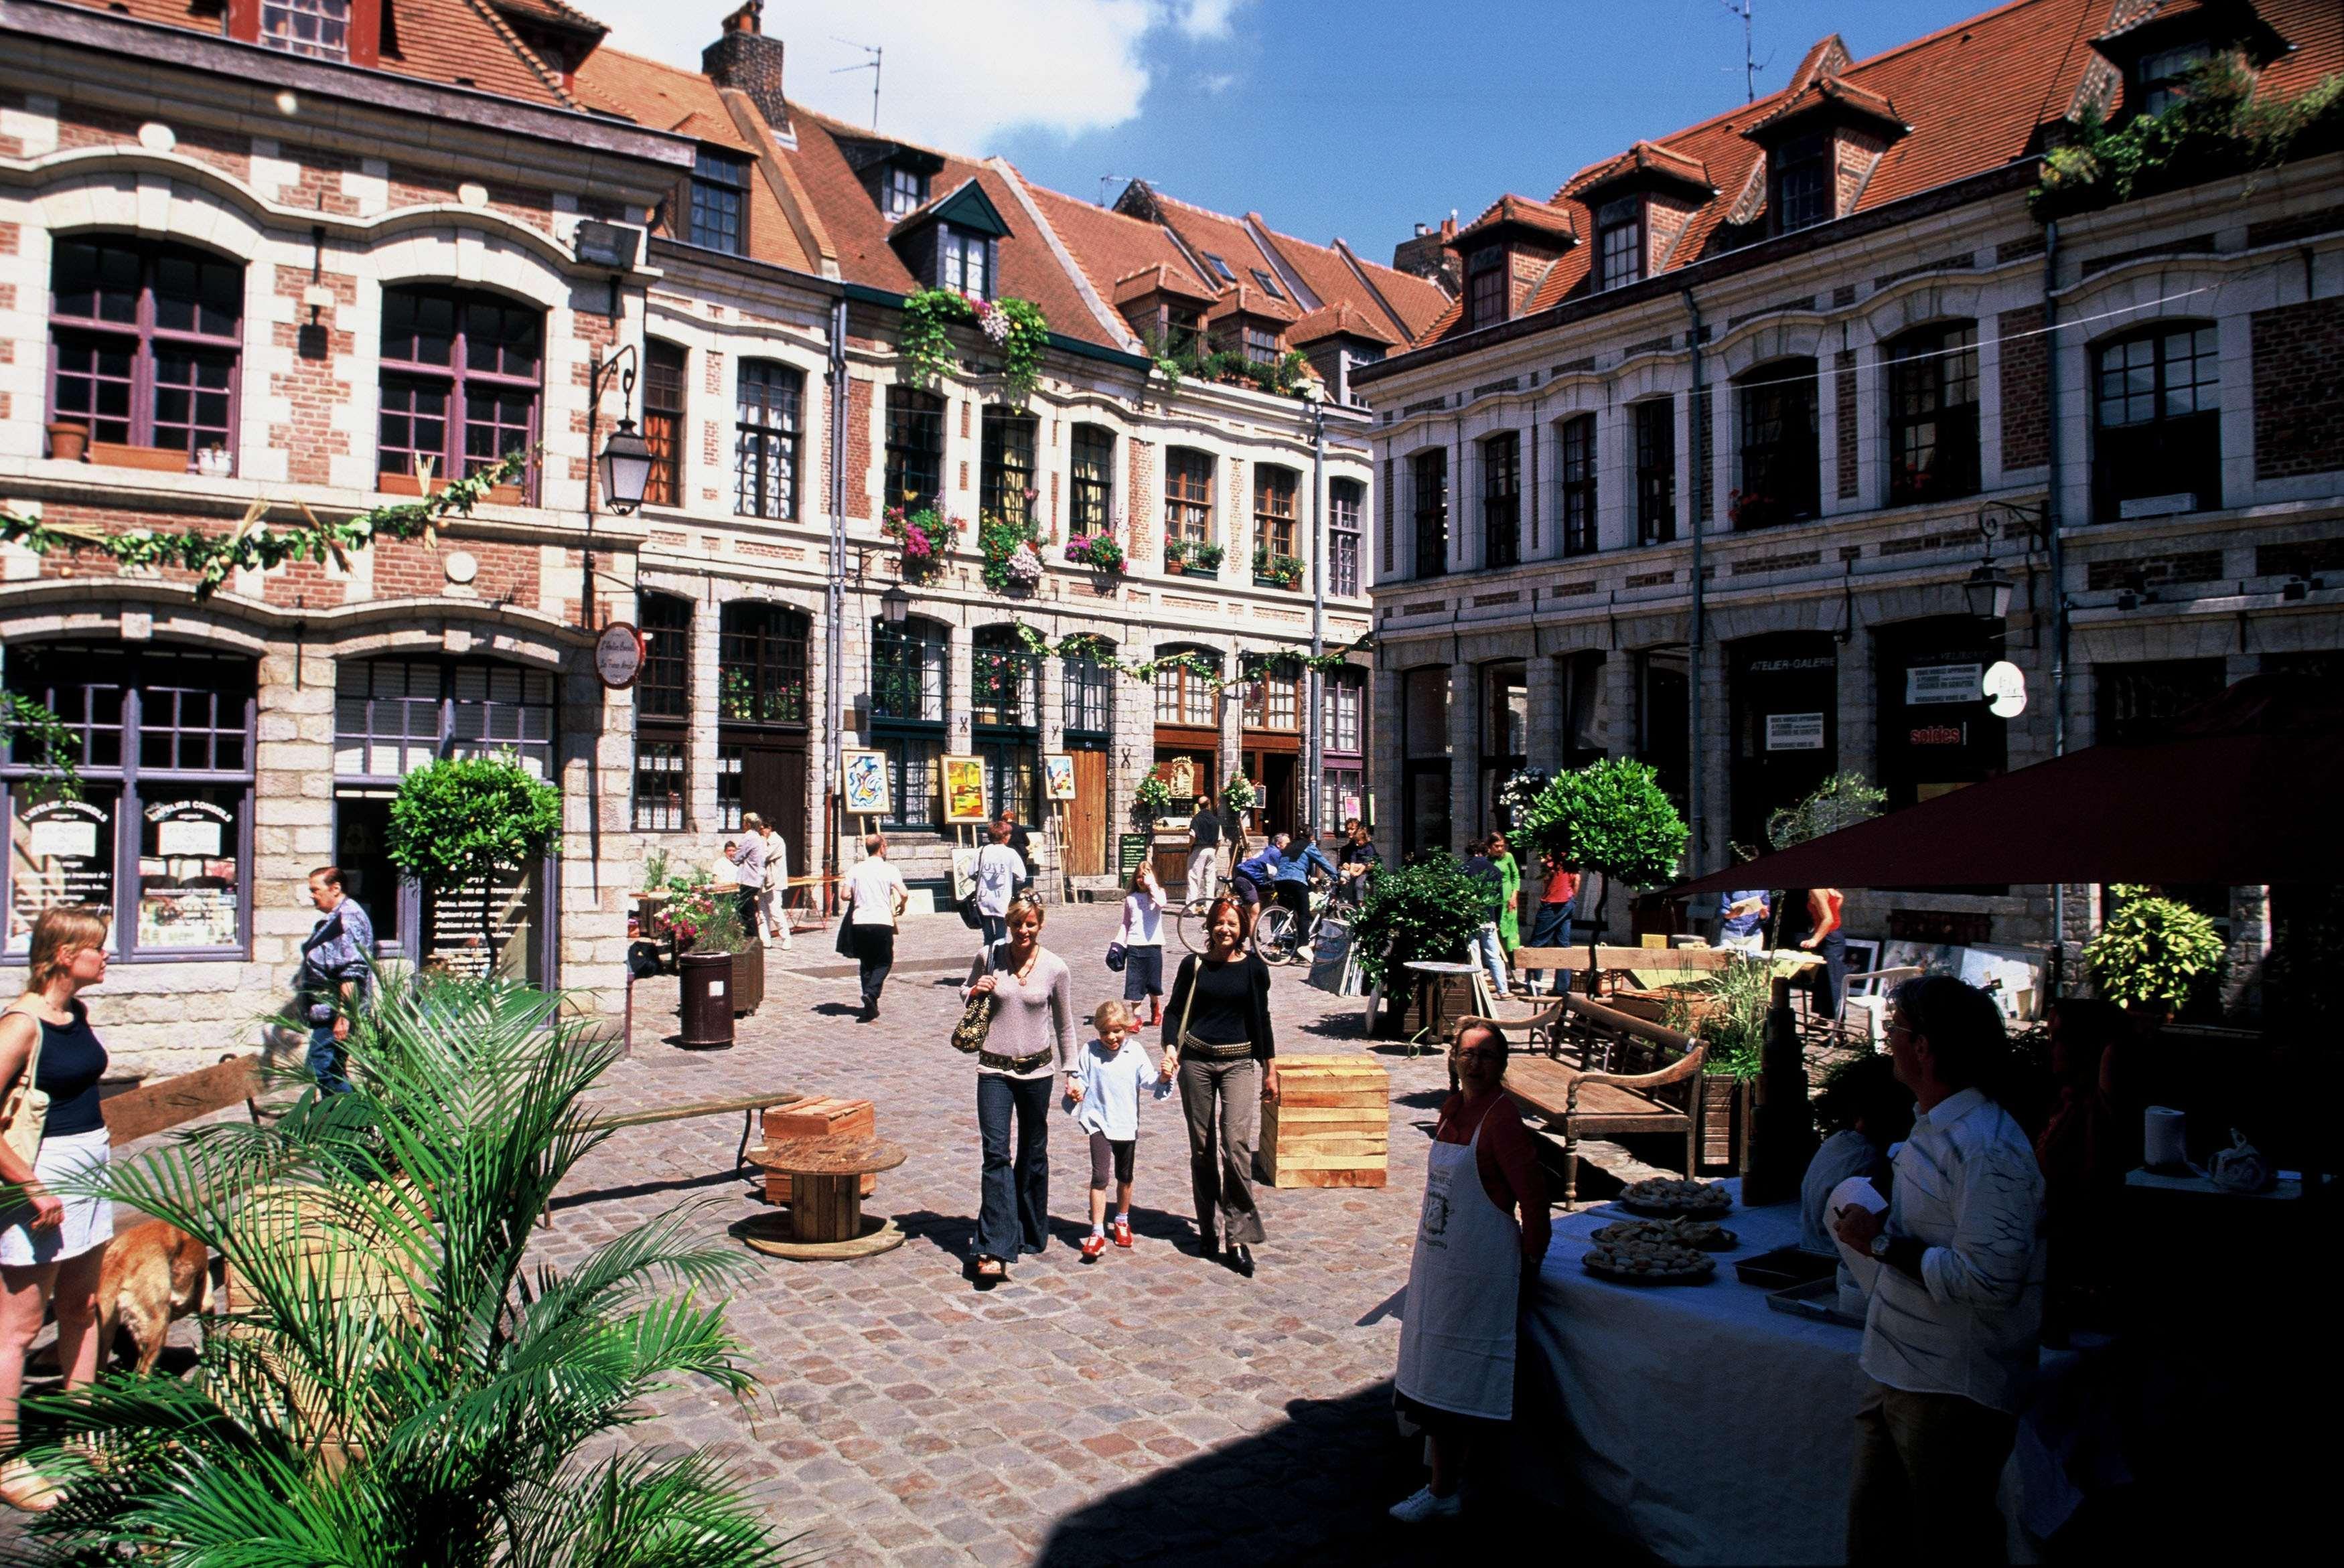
(1268,283)
(1218,265)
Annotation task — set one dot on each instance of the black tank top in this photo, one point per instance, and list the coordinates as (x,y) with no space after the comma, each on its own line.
(72,1061)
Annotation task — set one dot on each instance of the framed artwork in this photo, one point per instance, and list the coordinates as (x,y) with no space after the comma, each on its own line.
(964,789)
(1059,776)
(863,782)
(1180,775)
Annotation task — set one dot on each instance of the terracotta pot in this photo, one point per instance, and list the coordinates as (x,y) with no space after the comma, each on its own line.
(69,441)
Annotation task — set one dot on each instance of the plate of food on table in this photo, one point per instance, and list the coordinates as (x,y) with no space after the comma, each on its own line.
(1667,1198)
(1648,1263)
(1701,1235)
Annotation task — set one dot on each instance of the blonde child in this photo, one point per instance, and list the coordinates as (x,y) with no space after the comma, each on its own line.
(1104,1089)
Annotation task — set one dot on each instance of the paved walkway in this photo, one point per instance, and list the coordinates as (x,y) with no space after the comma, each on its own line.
(1150,1407)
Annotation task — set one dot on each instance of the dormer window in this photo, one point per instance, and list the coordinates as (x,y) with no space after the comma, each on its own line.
(2162,78)
(1485,288)
(1268,283)
(1802,174)
(1220,267)
(1620,242)
(901,191)
(964,262)
(719,219)
(320,29)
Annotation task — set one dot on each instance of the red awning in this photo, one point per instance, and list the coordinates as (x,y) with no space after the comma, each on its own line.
(2246,793)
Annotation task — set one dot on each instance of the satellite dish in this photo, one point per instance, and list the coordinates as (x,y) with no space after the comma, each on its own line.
(2005,689)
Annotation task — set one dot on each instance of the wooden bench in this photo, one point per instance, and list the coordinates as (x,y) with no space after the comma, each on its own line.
(748,1105)
(1592,1098)
(169,1103)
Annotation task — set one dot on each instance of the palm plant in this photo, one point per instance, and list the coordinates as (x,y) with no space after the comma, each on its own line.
(393,1386)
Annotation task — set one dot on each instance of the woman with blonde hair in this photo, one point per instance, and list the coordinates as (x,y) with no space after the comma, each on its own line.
(52,1244)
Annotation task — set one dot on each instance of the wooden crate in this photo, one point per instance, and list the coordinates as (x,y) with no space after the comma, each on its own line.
(1331,1124)
(822,1117)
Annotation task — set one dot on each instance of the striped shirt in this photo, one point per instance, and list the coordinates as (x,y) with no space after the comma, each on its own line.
(1969,1189)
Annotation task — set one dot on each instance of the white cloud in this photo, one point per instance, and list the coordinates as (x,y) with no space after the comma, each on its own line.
(1218,82)
(955,73)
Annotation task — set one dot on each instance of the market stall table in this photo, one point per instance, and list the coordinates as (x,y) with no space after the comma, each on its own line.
(1697,1420)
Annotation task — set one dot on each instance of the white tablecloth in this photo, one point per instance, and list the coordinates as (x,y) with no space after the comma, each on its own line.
(1700,1422)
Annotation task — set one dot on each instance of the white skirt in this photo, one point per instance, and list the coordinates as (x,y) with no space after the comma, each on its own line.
(88,1219)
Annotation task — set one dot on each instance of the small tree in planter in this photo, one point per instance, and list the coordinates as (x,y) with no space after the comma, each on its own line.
(468,820)
(1425,912)
(2152,953)
(1151,799)
(1612,818)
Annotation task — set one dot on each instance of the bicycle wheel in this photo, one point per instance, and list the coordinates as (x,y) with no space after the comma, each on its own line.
(1274,934)
(1188,923)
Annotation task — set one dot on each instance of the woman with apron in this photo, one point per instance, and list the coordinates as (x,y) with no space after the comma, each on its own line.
(1456,1377)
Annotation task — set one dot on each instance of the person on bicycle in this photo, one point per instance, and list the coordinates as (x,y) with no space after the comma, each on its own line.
(1294,868)
(1253,877)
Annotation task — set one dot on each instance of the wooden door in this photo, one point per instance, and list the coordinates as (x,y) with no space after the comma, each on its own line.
(1085,848)
(774,786)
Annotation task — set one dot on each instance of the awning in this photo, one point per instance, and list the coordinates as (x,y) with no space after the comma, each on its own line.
(2248,792)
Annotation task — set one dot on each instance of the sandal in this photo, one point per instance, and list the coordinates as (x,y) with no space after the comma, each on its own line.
(991,1269)
(26,1489)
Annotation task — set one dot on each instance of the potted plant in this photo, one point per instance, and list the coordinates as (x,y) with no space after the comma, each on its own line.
(69,441)
(927,539)
(1276,570)
(1151,799)
(705,917)
(1098,551)
(467,821)
(1727,1010)
(1612,816)
(2151,953)
(1011,563)
(1424,912)
(1205,560)
(1238,796)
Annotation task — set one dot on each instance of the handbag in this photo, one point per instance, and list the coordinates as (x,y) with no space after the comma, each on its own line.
(847,932)
(1114,957)
(26,1114)
(976,1019)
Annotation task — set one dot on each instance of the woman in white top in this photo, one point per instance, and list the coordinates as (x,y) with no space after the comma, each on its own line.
(876,895)
(1142,936)
(1031,1032)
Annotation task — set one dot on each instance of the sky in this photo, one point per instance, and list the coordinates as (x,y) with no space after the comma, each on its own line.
(1355,118)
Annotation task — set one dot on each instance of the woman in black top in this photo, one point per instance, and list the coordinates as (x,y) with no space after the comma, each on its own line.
(53,1241)
(1216,1023)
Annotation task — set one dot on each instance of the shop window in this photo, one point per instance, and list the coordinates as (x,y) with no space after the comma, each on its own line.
(1664,719)
(768,432)
(1656,471)
(1088,692)
(761,663)
(1781,477)
(2158,423)
(1505,738)
(664,715)
(1937,732)
(1005,486)
(1579,486)
(1090,489)
(1429,472)
(915,448)
(1501,500)
(161,738)
(1424,770)
(1782,701)
(1932,414)
(663,415)
(1582,678)
(1005,678)
(1345,501)
(908,663)
(461,373)
(145,341)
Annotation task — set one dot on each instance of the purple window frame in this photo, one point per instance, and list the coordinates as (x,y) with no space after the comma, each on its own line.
(147,340)
(139,676)
(460,382)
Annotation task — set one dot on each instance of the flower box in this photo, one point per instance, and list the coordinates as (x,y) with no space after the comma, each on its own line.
(409,485)
(155,459)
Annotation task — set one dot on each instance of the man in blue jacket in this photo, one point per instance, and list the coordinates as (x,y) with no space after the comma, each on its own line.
(1252,878)
(1294,868)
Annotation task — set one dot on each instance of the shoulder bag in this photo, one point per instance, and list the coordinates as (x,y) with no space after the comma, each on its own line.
(976,1019)
(26,1113)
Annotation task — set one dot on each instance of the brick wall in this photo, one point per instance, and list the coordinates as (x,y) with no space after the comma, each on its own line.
(2299,389)
(1704,456)
(1140,501)
(1843,401)
(311,440)
(858,448)
(510,573)
(2026,384)
(82,126)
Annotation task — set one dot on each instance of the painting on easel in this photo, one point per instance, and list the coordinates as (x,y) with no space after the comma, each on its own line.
(1059,776)
(964,789)
(864,783)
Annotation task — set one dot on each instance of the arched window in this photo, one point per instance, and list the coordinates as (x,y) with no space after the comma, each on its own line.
(908,662)
(1933,413)
(915,449)
(1781,476)
(1182,695)
(1275,489)
(1428,477)
(663,714)
(461,372)
(768,433)
(2157,420)
(1273,693)
(1005,486)
(1577,440)
(1005,678)
(762,656)
(161,738)
(143,347)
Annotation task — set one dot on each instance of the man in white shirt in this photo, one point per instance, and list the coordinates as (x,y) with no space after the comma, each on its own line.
(773,918)
(1956,1305)
(875,896)
(999,870)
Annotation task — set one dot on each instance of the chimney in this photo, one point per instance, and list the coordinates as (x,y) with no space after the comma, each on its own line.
(742,57)
(1427,255)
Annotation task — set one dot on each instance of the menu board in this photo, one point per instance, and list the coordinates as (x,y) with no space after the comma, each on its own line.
(482,928)
(187,874)
(59,852)
(1130,849)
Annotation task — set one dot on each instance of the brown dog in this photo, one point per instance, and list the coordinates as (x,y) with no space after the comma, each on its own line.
(154,1274)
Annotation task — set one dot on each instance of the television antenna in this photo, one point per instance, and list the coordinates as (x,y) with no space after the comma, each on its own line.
(1751,64)
(1106,180)
(872,65)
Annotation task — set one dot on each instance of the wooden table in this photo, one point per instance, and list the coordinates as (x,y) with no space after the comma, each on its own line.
(1448,992)
(825,1218)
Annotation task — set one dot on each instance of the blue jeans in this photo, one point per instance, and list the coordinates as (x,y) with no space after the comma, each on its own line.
(1550,929)
(1490,954)
(1015,1214)
(325,1059)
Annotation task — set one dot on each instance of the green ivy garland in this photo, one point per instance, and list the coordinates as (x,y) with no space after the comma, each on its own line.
(1099,651)
(253,545)
(1016,327)
(50,744)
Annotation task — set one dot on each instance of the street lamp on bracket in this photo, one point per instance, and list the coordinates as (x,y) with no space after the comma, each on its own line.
(623,467)
(1987,590)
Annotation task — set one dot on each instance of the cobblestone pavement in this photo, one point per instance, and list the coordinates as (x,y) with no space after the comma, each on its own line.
(1150,1407)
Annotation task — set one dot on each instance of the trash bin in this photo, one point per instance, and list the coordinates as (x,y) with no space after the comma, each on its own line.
(707,985)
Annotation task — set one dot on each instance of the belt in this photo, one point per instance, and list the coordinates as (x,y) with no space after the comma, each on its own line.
(1194,1050)
(1000,1063)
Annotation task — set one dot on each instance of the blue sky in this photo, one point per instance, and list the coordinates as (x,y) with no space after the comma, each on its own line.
(1350,117)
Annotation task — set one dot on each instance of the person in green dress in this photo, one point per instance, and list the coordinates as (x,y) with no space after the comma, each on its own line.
(1509,889)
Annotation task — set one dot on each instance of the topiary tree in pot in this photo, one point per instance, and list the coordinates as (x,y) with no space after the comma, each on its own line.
(1610,817)
(1424,911)
(2152,953)
(466,820)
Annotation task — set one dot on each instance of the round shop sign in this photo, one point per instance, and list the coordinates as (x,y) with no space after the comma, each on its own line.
(618,655)
(2005,689)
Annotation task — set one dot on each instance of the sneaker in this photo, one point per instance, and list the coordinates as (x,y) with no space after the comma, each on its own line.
(1122,1232)
(1093,1245)
(1421,1507)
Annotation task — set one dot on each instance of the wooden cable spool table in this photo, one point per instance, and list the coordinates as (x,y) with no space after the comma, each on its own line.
(825,1219)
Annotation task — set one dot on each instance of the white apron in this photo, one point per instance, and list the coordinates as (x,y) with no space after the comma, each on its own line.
(1464,1286)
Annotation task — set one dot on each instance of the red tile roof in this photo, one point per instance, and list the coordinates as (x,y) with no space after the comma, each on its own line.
(1340,320)
(1513,211)
(1245,299)
(1973,93)
(1395,300)
(1158,279)
(1827,92)
(1647,158)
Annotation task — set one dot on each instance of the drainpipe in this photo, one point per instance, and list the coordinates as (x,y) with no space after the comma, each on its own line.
(1314,764)
(834,668)
(1694,774)
(2058,553)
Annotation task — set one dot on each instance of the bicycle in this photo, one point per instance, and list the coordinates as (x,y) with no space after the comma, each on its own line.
(1279,936)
